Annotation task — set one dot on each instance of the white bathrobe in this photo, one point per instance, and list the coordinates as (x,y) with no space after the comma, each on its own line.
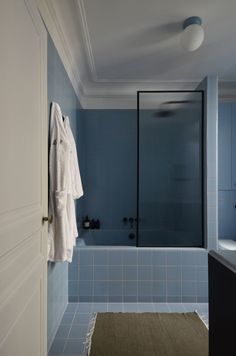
(61,192)
(76,184)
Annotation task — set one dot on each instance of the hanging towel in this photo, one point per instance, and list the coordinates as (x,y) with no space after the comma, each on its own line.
(76,178)
(76,188)
(60,237)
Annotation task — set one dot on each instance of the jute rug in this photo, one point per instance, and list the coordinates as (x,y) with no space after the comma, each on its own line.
(149,334)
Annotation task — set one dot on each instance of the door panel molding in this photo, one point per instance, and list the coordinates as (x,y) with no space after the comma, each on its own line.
(24,192)
(26,222)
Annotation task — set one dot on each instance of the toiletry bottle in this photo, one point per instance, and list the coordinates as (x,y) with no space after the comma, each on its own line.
(97,224)
(92,224)
(86,223)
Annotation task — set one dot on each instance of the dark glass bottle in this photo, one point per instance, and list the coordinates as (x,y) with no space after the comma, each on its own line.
(97,224)
(92,224)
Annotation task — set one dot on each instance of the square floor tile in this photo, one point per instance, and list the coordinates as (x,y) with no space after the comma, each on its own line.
(74,347)
(130,307)
(145,307)
(99,307)
(78,331)
(161,307)
(67,318)
(63,331)
(71,307)
(190,307)
(176,308)
(115,307)
(57,347)
(82,318)
(203,307)
(84,307)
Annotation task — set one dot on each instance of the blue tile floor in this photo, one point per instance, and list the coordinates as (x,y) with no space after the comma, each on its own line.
(72,331)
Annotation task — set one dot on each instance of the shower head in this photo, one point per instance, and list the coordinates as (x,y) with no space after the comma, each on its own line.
(173,102)
(164,113)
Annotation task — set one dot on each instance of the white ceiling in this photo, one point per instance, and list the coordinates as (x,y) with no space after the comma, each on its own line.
(115,47)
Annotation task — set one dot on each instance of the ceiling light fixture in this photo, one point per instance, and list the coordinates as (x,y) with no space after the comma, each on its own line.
(193,33)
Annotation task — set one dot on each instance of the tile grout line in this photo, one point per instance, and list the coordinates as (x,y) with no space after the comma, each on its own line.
(166,298)
(93,280)
(68,334)
(122,286)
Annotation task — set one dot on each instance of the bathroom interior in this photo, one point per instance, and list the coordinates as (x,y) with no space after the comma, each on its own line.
(150,250)
(155,131)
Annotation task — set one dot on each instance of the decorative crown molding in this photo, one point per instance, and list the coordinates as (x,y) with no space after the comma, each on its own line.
(86,39)
(94,92)
(64,50)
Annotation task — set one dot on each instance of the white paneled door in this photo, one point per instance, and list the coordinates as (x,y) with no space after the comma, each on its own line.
(23,179)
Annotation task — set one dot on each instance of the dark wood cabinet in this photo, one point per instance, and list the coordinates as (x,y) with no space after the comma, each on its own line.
(222,303)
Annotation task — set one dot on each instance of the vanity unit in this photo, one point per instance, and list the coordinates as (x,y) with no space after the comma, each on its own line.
(222,303)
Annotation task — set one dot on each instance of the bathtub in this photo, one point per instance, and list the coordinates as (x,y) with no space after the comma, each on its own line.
(105,273)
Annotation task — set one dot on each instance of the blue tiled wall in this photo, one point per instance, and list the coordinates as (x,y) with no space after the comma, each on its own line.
(109,166)
(129,274)
(170,170)
(57,296)
(138,275)
(61,91)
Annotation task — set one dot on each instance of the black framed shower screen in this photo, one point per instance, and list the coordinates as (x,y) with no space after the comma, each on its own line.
(170,157)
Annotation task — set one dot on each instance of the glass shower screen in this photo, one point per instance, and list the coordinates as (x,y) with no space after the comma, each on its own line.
(170,169)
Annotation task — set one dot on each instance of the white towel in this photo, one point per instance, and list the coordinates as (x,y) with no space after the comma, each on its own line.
(60,238)
(76,178)
(76,184)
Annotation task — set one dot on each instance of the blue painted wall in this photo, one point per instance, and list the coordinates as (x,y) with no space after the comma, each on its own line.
(61,91)
(227,170)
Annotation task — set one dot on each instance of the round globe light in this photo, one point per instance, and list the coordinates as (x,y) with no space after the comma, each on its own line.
(192,36)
